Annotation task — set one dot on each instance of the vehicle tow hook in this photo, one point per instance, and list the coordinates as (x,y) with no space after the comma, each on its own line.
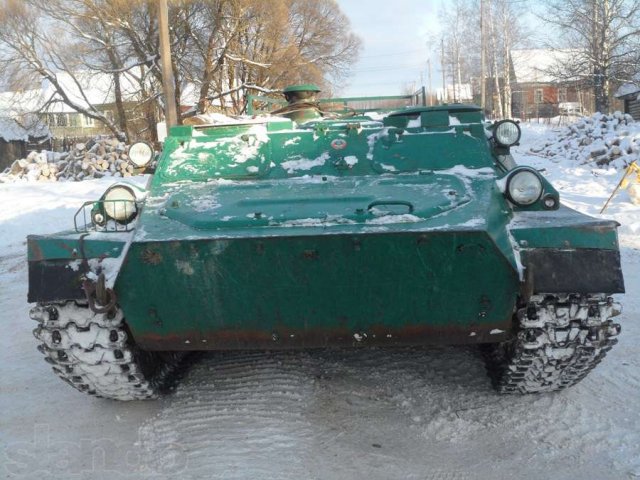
(100,298)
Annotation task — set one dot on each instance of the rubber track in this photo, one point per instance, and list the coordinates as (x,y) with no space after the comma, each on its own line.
(94,354)
(560,339)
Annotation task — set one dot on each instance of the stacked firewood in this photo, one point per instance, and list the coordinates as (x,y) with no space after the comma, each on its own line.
(599,140)
(94,159)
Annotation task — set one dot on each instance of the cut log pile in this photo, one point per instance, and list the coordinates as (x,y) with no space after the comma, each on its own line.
(94,159)
(598,140)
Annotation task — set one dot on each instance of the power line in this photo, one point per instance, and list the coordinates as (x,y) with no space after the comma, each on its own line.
(392,54)
(389,67)
(374,84)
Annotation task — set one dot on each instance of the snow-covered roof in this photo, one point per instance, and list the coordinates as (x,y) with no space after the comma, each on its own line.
(18,103)
(537,64)
(83,89)
(88,88)
(34,127)
(11,131)
(29,126)
(627,89)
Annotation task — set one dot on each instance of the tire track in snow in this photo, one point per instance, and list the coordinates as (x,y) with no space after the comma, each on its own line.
(239,416)
(317,414)
(392,413)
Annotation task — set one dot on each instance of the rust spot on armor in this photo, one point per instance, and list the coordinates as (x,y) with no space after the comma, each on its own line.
(151,257)
(310,254)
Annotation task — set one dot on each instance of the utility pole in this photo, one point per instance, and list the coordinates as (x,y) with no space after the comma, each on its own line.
(430,90)
(483,61)
(168,81)
(444,85)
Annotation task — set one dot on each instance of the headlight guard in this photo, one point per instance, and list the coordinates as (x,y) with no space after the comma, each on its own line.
(116,210)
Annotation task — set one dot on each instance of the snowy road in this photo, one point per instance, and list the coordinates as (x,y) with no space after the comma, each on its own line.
(375,414)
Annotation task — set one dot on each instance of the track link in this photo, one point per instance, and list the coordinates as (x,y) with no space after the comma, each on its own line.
(560,339)
(94,354)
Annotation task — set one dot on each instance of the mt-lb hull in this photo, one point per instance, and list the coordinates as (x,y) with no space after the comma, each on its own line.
(318,290)
(414,229)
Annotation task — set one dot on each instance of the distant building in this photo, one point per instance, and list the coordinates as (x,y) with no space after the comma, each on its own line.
(17,139)
(60,118)
(537,92)
(85,89)
(97,90)
(629,94)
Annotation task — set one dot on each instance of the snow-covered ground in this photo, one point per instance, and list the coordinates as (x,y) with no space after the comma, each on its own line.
(423,413)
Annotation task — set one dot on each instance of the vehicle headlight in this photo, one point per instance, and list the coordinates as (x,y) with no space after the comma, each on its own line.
(507,133)
(119,203)
(524,186)
(140,154)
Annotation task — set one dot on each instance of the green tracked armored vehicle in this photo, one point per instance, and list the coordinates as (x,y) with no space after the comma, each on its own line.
(324,224)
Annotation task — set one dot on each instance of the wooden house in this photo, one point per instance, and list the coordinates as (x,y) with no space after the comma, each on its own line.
(629,94)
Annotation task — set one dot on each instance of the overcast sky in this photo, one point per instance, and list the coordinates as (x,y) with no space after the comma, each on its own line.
(394,37)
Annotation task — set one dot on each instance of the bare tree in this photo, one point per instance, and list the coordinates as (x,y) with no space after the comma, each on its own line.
(28,47)
(222,50)
(495,54)
(96,45)
(604,36)
(463,46)
(510,30)
(457,33)
(283,42)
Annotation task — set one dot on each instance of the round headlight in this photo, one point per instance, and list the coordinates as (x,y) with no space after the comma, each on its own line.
(140,154)
(524,187)
(119,203)
(506,133)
